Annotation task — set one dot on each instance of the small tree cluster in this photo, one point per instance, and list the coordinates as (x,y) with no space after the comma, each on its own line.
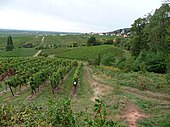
(91,41)
(9,46)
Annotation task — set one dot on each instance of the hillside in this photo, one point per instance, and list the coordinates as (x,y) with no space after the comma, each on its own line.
(88,80)
(81,53)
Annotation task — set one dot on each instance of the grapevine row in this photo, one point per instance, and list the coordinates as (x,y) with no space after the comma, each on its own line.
(77,74)
(35,72)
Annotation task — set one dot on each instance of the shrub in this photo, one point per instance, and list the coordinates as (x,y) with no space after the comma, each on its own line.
(154,61)
(108,59)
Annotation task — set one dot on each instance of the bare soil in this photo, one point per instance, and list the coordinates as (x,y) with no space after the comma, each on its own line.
(99,89)
(132,114)
(73,92)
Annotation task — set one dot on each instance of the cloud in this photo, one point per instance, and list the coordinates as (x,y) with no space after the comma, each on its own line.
(66,15)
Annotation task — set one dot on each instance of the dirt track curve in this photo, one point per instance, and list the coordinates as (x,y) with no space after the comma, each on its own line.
(132,113)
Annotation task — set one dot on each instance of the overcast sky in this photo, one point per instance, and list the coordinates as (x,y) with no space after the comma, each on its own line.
(73,15)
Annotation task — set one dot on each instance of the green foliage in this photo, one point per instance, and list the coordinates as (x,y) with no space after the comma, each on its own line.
(168,72)
(10,45)
(151,81)
(138,42)
(151,33)
(150,40)
(13,116)
(18,52)
(108,59)
(167,42)
(154,62)
(35,71)
(91,41)
(58,114)
(82,53)
(95,61)
(77,74)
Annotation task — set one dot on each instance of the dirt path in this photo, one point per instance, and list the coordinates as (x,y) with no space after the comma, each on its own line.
(73,92)
(99,89)
(37,53)
(132,115)
(146,95)
(42,40)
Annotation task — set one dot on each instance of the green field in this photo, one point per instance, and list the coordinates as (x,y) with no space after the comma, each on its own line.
(81,53)
(117,88)
(19,52)
(20,40)
(49,40)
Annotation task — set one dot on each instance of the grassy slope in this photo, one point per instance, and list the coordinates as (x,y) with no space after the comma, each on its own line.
(67,39)
(51,40)
(70,39)
(82,53)
(156,108)
(150,81)
(19,40)
(18,52)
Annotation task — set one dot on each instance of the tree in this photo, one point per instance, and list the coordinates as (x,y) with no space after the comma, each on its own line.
(9,46)
(168,40)
(91,41)
(157,28)
(150,33)
(137,38)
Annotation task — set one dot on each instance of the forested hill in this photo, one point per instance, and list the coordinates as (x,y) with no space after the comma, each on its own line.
(150,39)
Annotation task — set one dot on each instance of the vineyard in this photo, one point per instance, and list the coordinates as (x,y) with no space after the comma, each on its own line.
(82,53)
(41,91)
(34,72)
(29,75)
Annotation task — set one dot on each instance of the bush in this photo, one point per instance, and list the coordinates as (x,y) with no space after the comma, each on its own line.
(168,72)
(108,59)
(154,62)
(91,41)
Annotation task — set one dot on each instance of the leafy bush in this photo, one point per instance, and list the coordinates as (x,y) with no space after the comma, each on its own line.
(168,72)
(108,59)
(58,113)
(154,61)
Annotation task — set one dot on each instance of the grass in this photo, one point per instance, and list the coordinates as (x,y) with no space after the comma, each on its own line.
(19,40)
(158,115)
(65,40)
(70,39)
(67,86)
(52,40)
(18,52)
(84,92)
(150,81)
(156,109)
(82,53)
